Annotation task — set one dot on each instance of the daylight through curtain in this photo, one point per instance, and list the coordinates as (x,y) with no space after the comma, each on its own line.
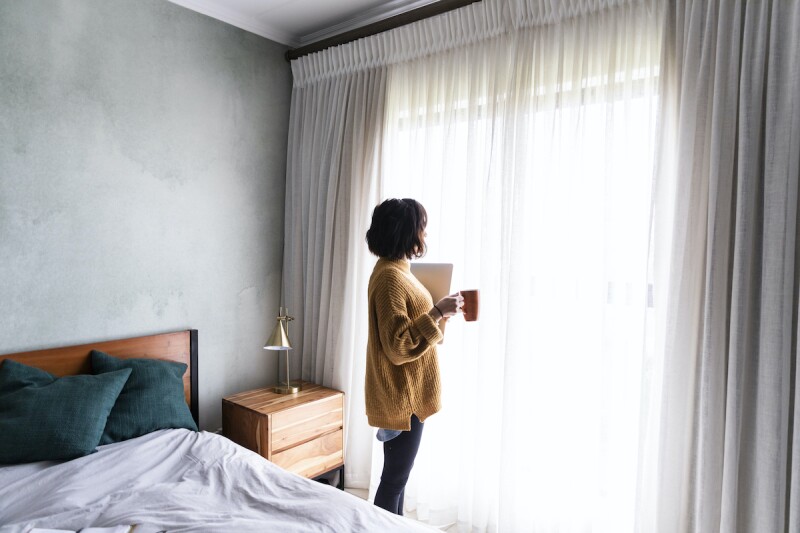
(530,142)
(533,152)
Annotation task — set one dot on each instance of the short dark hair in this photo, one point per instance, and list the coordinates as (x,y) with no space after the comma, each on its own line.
(398,229)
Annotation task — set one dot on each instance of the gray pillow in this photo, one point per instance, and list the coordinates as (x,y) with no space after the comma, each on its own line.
(46,418)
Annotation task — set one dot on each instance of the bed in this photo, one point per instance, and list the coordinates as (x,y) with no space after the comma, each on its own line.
(171,479)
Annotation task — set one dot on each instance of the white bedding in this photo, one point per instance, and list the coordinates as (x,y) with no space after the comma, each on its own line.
(179,480)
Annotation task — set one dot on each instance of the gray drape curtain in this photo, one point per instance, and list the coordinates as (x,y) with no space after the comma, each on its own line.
(335,131)
(727,189)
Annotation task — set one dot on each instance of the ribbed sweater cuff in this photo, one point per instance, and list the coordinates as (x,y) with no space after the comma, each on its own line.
(427,326)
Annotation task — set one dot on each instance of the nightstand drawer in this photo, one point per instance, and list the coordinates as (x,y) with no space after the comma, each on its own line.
(306,422)
(314,457)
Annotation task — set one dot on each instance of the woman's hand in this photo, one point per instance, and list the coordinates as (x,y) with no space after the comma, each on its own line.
(447,306)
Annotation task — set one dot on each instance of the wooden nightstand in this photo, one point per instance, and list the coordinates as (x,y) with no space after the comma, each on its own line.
(303,432)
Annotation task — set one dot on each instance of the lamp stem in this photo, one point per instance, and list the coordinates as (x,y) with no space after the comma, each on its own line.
(285,312)
(283,319)
(288,383)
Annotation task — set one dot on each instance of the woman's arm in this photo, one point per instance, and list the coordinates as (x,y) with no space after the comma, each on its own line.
(403,339)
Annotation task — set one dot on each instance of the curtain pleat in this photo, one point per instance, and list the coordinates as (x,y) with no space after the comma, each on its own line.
(455,29)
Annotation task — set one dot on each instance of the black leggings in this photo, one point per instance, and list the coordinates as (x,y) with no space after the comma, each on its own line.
(398,459)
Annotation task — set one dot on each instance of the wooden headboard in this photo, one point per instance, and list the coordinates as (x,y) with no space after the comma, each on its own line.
(180,346)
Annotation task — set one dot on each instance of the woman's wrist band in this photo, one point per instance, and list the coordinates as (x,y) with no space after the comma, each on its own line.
(440,311)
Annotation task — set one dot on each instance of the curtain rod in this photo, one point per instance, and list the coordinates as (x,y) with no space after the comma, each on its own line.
(426,11)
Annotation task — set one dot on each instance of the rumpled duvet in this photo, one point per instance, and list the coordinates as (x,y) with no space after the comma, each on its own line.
(180,480)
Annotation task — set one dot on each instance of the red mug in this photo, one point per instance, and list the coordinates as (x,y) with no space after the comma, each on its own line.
(471,305)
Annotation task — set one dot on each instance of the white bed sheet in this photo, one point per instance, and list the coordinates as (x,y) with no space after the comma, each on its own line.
(180,480)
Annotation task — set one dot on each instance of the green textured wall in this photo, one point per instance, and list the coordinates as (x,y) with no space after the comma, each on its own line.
(142,167)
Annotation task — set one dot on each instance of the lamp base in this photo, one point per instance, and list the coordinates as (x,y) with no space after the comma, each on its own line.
(292,388)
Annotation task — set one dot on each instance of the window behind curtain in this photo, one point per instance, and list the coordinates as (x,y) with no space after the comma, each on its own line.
(533,154)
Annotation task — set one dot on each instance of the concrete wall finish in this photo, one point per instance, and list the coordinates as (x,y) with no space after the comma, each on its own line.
(142,168)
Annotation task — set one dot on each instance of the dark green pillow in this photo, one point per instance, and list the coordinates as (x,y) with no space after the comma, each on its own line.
(151,399)
(45,418)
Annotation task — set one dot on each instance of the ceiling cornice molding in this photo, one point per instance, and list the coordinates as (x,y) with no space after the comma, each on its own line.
(387,10)
(233,18)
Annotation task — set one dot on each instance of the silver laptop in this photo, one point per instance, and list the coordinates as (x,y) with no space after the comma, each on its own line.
(436,278)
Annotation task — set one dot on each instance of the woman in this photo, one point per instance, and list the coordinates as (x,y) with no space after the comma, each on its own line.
(402,380)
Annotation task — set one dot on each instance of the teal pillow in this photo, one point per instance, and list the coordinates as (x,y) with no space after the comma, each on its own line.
(152,398)
(46,418)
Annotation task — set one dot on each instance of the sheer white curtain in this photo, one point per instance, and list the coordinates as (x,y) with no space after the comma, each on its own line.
(727,222)
(526,128)
(533,153)
(334,149)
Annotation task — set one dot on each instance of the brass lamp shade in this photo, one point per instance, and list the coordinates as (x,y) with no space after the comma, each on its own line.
(279,340)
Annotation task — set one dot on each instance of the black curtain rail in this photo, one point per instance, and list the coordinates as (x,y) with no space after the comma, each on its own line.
(426,11)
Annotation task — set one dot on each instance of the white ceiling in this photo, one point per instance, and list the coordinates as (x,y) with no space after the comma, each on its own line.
(300,22)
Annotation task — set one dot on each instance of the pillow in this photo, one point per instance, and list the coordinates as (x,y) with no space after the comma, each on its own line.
(45,418)
(152,398)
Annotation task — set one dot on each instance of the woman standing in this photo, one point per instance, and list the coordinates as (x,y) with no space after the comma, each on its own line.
(402,379)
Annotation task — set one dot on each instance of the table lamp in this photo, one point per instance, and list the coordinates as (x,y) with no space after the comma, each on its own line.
(279,340)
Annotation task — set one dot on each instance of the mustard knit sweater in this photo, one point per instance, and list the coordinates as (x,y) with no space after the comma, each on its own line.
(402,367)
